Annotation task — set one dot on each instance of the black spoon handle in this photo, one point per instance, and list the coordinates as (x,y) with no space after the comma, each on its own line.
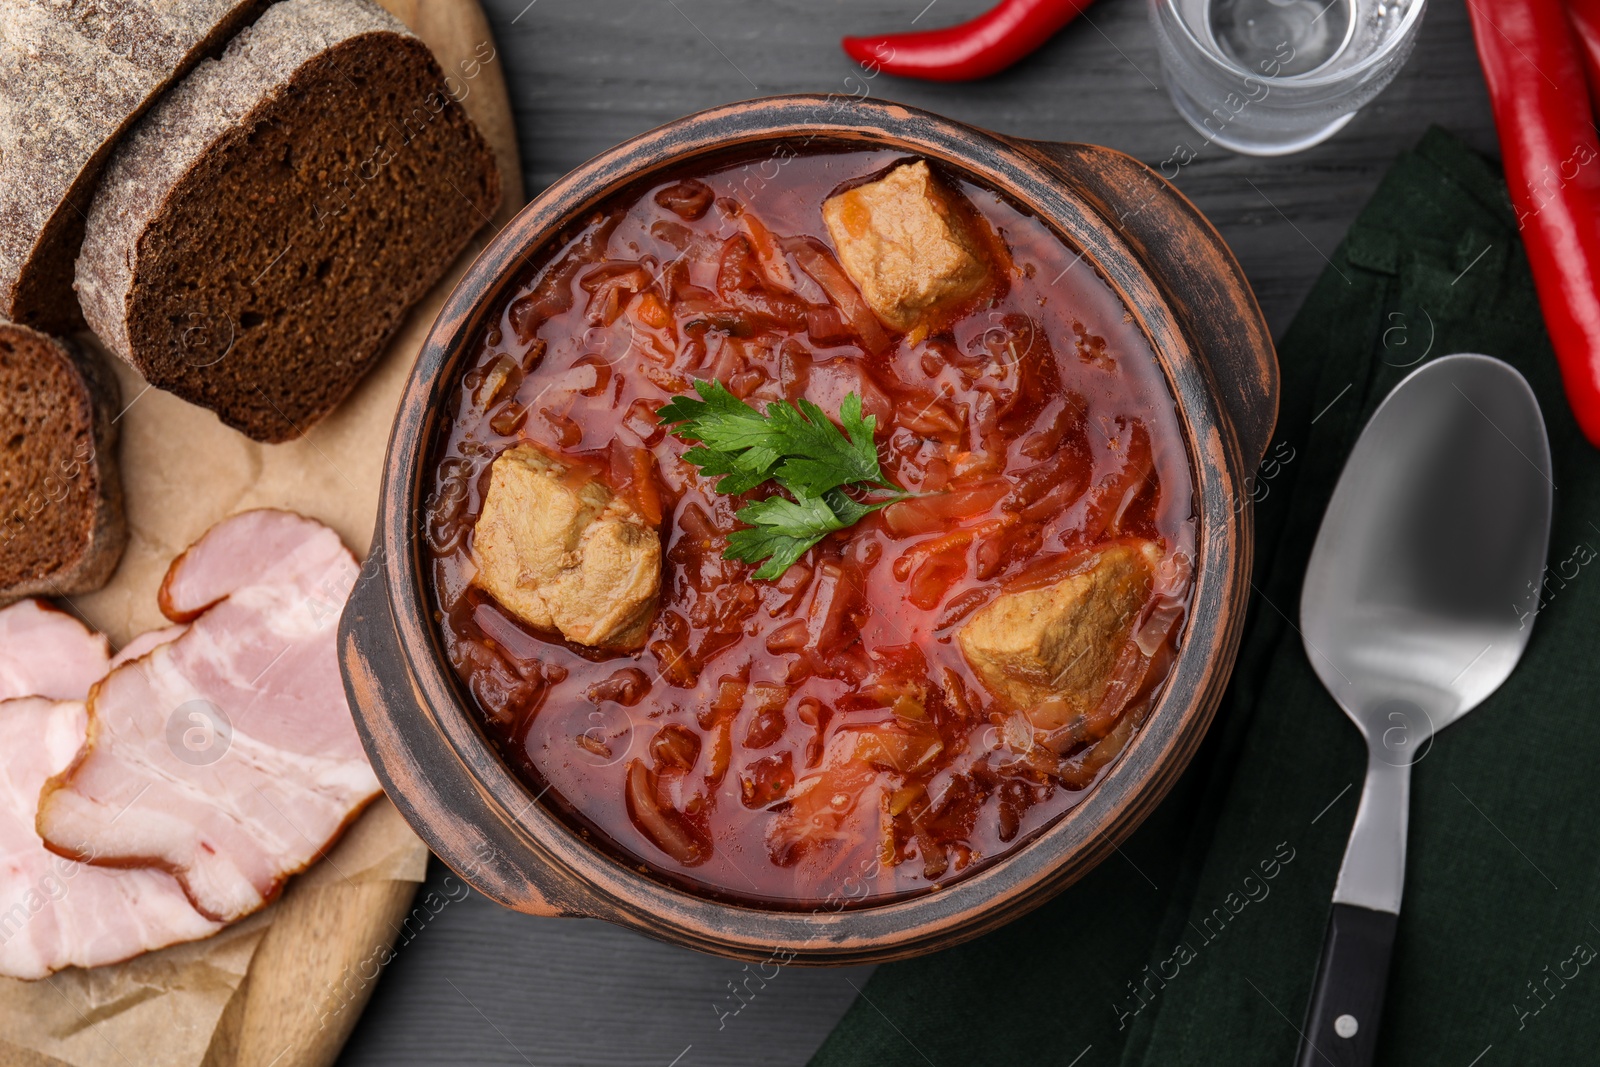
(1341,1027)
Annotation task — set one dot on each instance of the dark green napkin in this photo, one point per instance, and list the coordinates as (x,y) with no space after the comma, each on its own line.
(1197,944)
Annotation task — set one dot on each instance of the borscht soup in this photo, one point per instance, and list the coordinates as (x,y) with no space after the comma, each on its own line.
(810,526)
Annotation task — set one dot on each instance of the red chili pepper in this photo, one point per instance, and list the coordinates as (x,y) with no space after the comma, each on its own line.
(1548,145)
(977,48)
(1585,15)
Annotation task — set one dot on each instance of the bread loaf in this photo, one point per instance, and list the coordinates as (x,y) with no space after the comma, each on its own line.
(61,524)
(259,235)
(77,75)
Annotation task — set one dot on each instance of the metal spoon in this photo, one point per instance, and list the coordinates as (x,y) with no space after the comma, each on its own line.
(1418,601)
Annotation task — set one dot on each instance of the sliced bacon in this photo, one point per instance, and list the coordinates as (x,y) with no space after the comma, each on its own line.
(228,755)
(45,652)
(56,912)
(146,643)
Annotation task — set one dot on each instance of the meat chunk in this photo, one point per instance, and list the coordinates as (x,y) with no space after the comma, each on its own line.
(1062,641)
(56,912)
(48,653)
(561,552)
(227,755)
(907,245)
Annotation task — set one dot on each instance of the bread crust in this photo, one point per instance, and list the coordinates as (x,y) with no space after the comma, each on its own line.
(77,76)
(88,564)
(184,143)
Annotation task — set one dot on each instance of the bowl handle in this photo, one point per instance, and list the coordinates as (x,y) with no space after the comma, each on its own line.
(1189,260)
(423,775)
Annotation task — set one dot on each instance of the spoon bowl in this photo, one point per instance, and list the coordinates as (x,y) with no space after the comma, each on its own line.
(1424,580)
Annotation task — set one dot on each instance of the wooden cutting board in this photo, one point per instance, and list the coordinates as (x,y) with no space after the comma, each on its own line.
(325,941)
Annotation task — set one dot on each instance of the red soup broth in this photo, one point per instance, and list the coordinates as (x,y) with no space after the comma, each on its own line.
(1036,425)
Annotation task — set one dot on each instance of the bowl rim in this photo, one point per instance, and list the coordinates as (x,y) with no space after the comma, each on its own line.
(1009,884)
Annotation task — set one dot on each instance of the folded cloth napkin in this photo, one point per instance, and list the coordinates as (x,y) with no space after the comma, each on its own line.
(1197,943)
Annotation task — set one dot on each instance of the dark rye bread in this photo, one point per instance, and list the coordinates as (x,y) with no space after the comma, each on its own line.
(259,236)
(61,524)
(76,75)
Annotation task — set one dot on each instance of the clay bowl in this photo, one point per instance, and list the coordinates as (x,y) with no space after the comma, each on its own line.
(1184,289)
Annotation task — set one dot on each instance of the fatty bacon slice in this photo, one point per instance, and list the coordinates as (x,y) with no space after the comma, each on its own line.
(56,912)
(144,644)
(227,756)
(45,652)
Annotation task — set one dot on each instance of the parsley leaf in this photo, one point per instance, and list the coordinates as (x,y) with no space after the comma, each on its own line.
(817,456)
(736,438)
(738,475)
(784,529)
(719,419)
(794,444)
(809,452)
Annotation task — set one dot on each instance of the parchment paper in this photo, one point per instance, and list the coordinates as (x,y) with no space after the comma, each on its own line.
(183,471)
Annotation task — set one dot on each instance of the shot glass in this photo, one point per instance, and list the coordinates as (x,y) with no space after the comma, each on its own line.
(1271,77)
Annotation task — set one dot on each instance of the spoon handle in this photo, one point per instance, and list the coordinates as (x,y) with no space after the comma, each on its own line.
(1347,1003)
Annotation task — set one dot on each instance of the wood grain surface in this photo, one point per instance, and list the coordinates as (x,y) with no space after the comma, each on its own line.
(481,985)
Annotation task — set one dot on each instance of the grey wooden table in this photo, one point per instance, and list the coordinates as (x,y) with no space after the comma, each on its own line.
(480,985)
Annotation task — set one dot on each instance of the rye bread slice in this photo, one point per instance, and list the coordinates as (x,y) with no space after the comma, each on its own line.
(259,236)
(61,524)
(76,76)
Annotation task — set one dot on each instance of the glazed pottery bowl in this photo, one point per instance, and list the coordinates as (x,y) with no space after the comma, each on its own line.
(1189,297)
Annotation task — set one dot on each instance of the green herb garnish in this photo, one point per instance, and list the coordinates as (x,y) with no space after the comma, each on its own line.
(793,444)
